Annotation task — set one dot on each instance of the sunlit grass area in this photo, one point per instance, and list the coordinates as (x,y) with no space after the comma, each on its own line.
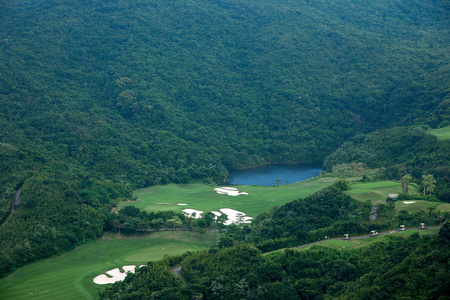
(442,133)
(70,276)
(420,205)
(376,191)
(203,197)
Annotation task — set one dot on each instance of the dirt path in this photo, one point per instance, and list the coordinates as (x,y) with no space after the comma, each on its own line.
(176,270)
(15,202)
(373,212)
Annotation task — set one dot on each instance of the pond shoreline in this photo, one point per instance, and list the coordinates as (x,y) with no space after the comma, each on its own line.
(275,174)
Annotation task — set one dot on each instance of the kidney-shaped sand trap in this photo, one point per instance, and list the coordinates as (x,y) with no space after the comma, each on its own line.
(116,275)
(230,191)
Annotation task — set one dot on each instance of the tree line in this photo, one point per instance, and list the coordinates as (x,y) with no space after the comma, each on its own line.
(399,267)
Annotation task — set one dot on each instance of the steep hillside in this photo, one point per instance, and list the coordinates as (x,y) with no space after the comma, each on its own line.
(99,97)
(153,92)
(413,268)
(399,151)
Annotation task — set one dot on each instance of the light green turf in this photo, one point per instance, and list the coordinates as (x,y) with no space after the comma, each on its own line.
(358,243)
(441,133)
(203,197)
(71,275)
(420,205)
(377,191)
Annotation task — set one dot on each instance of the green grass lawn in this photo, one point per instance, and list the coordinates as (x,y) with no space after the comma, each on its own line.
(420,205)
(203,197)
(376,191)
(71,275)
(442,133)
(356,243)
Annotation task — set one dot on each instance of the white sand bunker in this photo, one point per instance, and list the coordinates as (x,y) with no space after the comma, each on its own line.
(181,204)
(409,202)
(230,191)
(216,213)
(116,275)
(234,216)
(189,212)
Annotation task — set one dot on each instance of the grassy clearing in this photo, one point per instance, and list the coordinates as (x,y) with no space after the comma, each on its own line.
(441,133)
(420,205)
(377,191)
(262,198)
(203,197)
(71,275)
(358,243)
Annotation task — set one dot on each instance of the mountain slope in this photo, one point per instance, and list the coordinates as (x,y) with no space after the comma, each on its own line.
(100,97)
(238,83)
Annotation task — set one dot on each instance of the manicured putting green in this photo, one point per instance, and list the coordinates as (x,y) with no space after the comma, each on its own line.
(204,198)
(71,275)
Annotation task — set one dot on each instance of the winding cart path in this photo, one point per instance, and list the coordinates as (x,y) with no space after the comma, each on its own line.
(360,237)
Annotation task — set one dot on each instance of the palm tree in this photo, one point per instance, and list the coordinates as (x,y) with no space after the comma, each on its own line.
(405,181)
(429,183)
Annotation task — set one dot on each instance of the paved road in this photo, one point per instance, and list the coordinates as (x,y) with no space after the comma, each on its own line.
(360,236)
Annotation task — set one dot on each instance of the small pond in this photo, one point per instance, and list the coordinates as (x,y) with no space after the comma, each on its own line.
(267,175)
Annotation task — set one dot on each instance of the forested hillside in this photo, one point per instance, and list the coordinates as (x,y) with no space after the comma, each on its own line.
(152,92)
(100,97)
(399,151)
(398,268)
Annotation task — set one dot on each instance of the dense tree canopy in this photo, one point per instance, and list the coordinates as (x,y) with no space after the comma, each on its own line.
(399,151)
(100,97)
(409,268)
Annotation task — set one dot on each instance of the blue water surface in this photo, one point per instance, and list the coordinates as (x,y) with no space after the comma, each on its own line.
(267,175)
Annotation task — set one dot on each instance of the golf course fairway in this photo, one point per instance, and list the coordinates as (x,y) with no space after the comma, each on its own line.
(70,276)
(204,198)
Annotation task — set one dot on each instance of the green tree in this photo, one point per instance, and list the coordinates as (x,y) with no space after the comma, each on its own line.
(278,181)
(157,223)
(429,183)
(430,209)
(124,82)
(116,224)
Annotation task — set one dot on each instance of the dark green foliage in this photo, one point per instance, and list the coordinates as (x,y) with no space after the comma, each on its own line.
(50,219)
(399,151)
(384,148)
(100,97)
(413,267)
(326,213)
